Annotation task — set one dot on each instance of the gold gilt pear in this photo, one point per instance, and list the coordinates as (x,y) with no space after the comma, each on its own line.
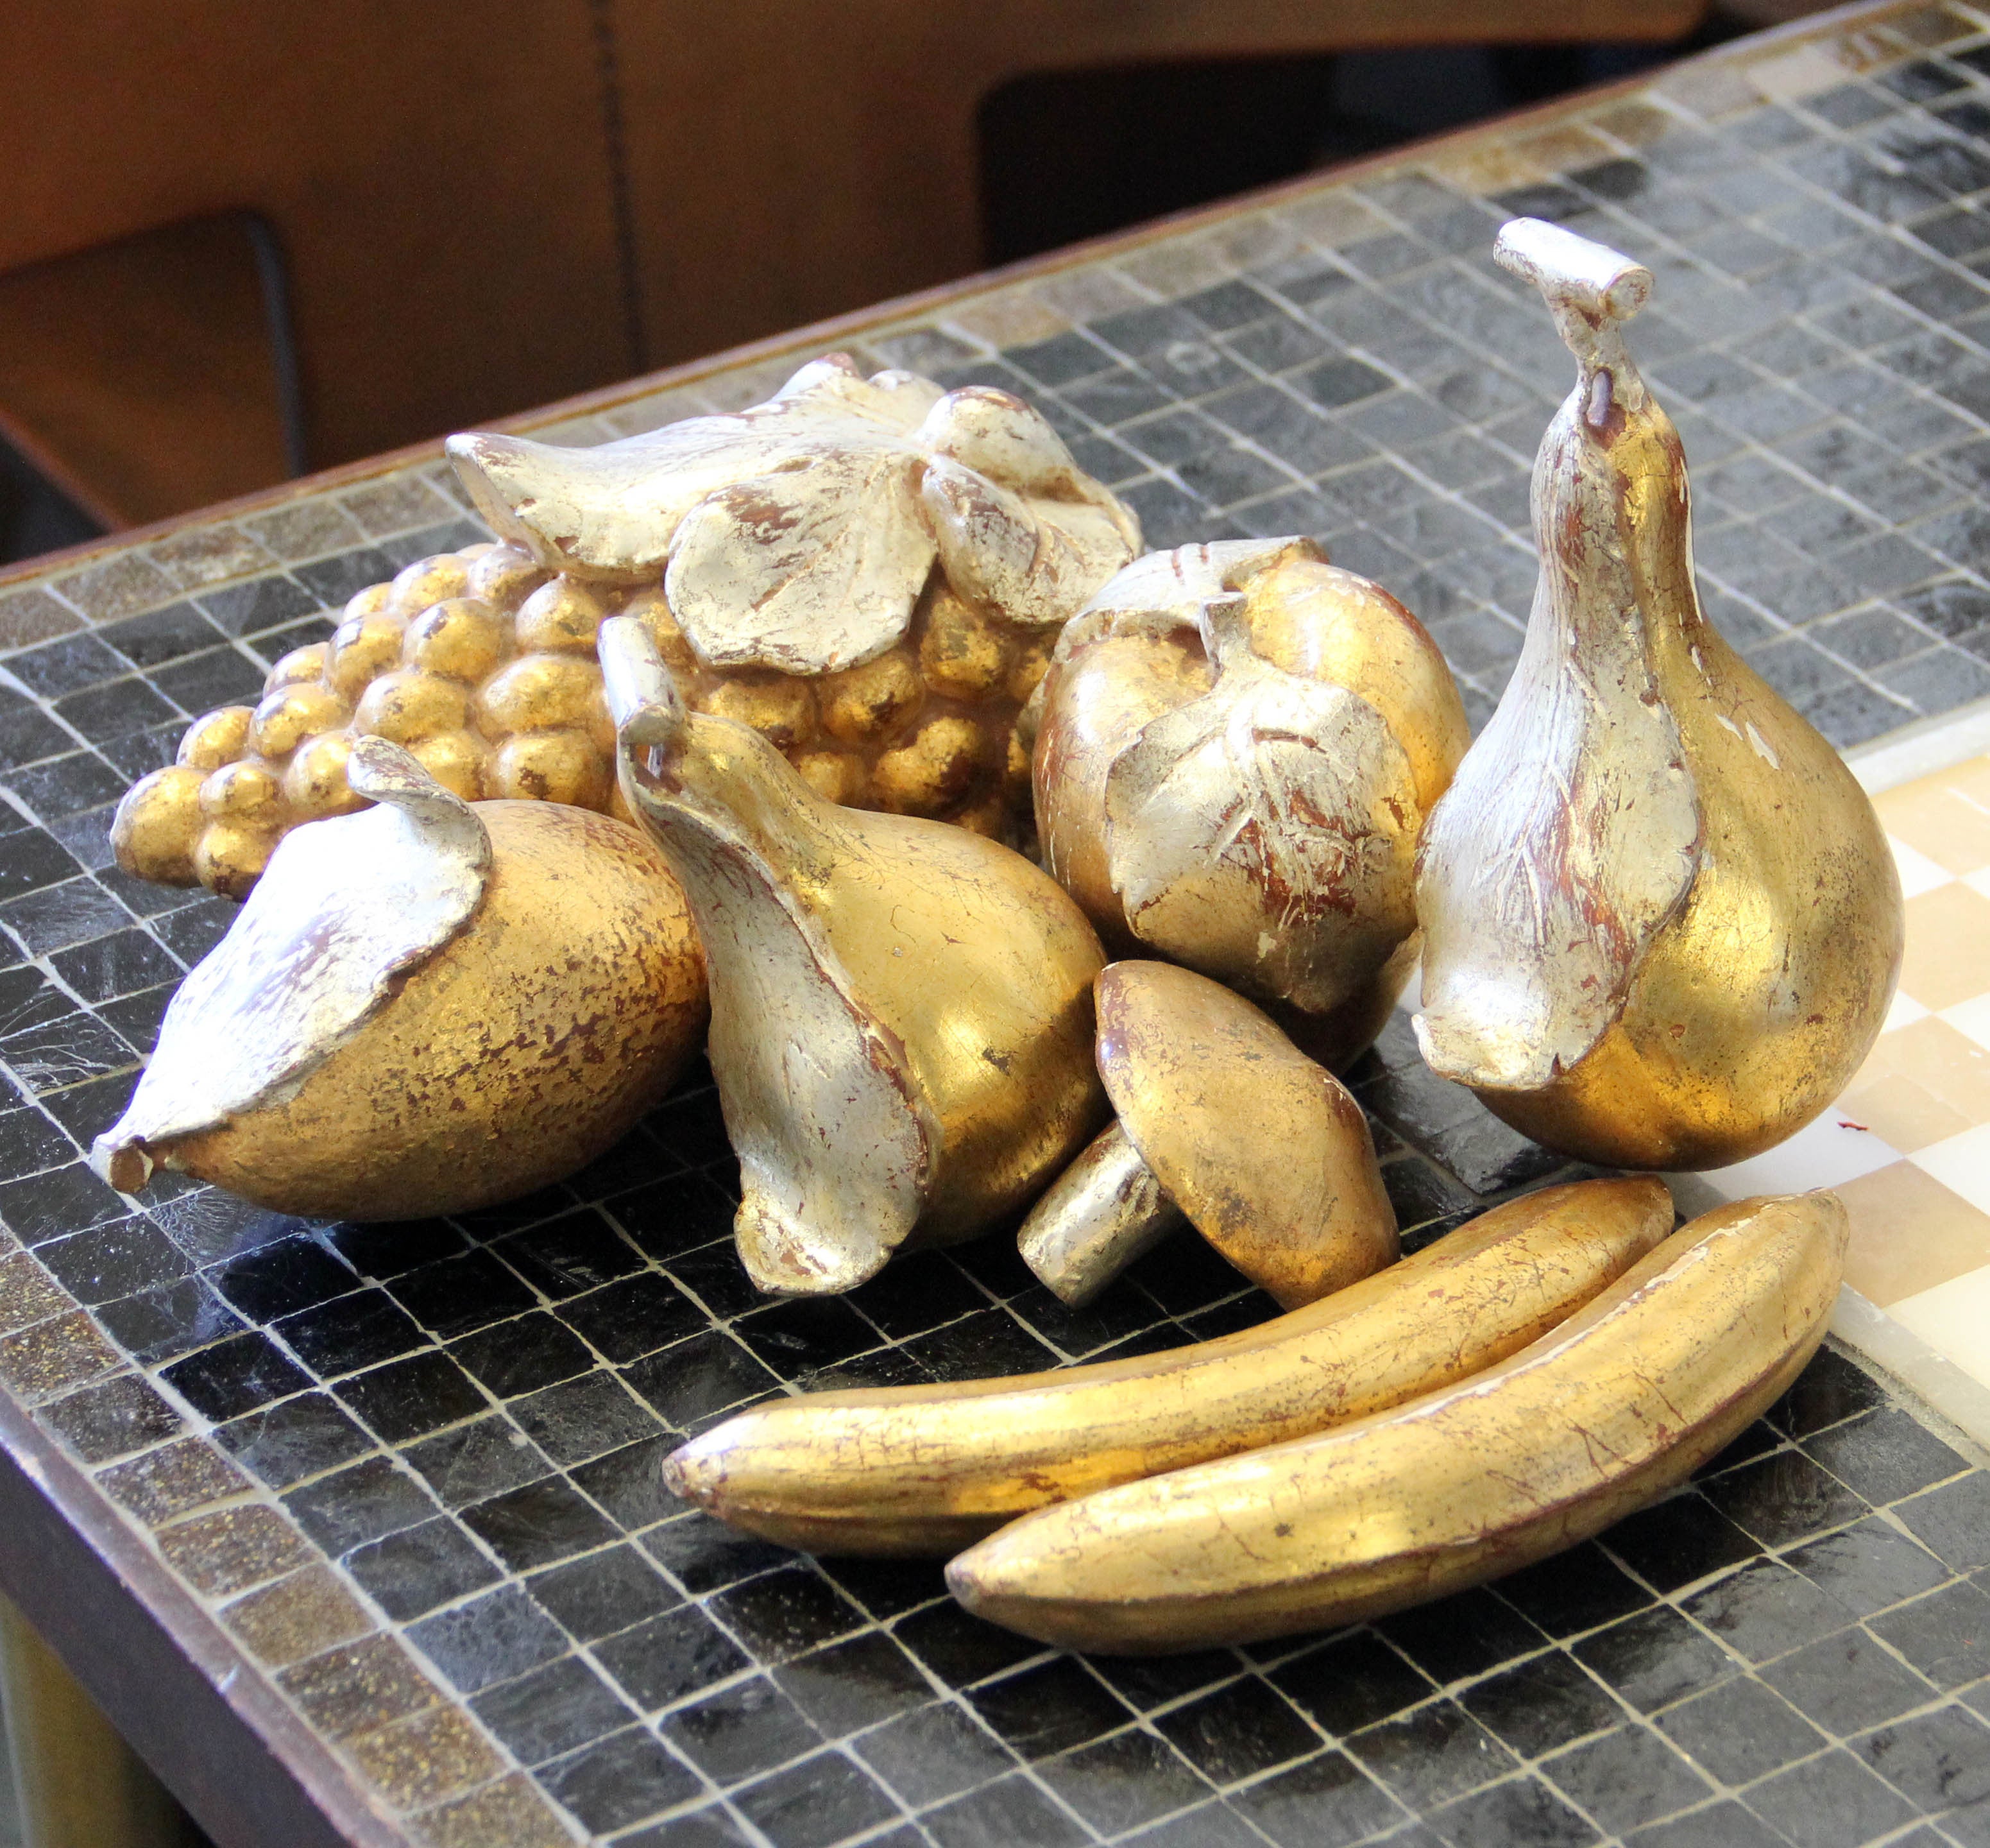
(1660,923)
(902,1016)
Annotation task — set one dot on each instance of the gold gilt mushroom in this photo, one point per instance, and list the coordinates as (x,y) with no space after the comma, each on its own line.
(1224,1120)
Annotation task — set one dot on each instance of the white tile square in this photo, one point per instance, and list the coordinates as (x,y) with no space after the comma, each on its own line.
(1961,1164)
(1918,873)
(1820,1155)
(1970,1018)
(1953,1319)
(1904,1011)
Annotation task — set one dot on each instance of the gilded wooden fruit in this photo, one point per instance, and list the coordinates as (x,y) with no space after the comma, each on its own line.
(1205,1085)
(1237,746)
(870,568)
(901,1011)
(424,1007)
(1604,1413)
(1660,923)
(921,1470)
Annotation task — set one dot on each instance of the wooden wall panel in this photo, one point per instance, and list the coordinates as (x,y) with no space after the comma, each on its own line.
(439,176)
(789,159)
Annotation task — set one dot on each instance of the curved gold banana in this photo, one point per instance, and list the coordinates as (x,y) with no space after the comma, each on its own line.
(1595,1419)
(923,1469)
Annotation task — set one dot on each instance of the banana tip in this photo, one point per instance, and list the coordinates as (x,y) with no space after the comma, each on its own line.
(961,1580)
(677,1479)
(696,1472)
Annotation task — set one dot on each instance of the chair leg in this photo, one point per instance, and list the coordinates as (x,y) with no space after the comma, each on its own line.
(79,1785)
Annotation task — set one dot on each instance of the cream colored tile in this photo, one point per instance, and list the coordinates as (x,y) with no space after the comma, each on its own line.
(1822,1154)
(1792,74)
(1918,873)
(1948,947)
(1970,1018)
(1970,778)
(1902,1011)
(1010,317)
(1637,122)
(1961,1164)
(1921,1085)
(1953,1319)
(1909,1233)
(1948,824)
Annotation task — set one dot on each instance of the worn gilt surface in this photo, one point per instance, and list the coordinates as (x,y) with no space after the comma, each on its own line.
(901,1010)
(894,1471)
(869,571)
(1204,1084)
(424,1007)
(1101,1214)
(1237,746)
(444,1549)
(1623,1401)
(1661,925)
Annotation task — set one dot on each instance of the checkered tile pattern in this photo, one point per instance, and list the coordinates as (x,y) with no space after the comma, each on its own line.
(1908,1147)
(412,1469)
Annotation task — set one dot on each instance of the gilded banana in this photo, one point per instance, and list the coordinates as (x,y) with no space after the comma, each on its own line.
(923,1470)
(1595,1419)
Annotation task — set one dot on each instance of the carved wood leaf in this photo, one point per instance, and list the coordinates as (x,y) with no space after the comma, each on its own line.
(815,568)
(345,908)
(1276,814)
(1036,560)
(1020,526)
(1572,832)
(795,534)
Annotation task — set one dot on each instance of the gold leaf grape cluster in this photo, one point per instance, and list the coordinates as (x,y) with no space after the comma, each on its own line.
(482,663)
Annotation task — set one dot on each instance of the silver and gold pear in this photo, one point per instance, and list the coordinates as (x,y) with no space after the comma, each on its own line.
(1660,923)
(901,1010)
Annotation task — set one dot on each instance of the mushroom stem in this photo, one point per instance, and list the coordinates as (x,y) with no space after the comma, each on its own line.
(1105,1211)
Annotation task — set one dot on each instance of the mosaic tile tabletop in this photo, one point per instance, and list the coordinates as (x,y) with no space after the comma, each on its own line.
(411,1470)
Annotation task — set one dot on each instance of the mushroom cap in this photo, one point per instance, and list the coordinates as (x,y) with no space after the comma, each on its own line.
(1263,1149)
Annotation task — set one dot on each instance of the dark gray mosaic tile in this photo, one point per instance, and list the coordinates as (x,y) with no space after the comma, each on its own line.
(1937,1761)
(1432,1755)
(1846,1682)
(1011,1809)
(1867,1567)
(1626,1779)
(1545,1701)
(935,1752)
(294,1439)
(1832,1800)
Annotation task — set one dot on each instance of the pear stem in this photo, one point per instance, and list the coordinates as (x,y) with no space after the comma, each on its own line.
(1592,290)
(642,699)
